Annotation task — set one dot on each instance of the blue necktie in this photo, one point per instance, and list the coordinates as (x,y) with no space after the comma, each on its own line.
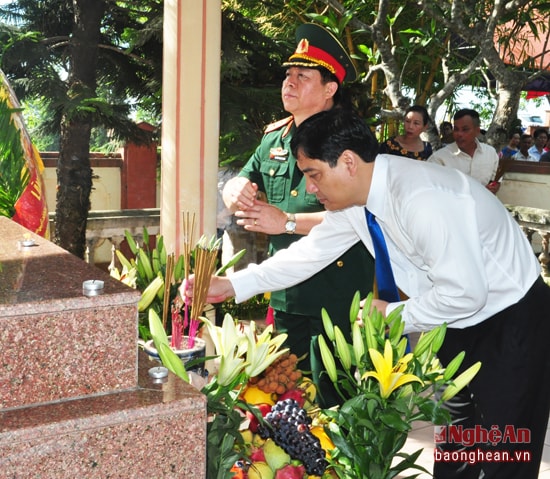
(387,289)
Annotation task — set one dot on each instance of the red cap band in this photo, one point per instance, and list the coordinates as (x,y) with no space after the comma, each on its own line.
(319,57)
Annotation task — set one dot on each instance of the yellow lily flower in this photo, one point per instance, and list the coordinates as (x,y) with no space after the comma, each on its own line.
(389,377)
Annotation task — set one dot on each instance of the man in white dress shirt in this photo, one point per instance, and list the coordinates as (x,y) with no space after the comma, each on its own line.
(525,143)
(455,252)
(467,154)
(541,138)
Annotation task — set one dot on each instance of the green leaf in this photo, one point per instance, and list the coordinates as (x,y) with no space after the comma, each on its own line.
(172,361)
(393,419)
(168,357)
(156,328)
(232,262)
(131,242)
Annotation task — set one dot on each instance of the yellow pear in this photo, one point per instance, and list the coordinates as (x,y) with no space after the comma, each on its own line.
(275,455)
(260,470)
(247,436)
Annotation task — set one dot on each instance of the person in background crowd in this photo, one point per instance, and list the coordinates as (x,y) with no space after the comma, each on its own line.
(541,138)
(460,258)
(467,154)
(409,144)
(545,156)
(511,148)
(446,132)
(525,143)
(313,83)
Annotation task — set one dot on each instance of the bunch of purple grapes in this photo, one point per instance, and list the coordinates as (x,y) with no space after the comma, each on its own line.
(289,426)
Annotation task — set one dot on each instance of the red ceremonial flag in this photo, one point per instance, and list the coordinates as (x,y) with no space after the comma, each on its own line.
(25,197)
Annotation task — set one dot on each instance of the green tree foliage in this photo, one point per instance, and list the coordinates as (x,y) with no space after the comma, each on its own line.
(92,62)
(14,177)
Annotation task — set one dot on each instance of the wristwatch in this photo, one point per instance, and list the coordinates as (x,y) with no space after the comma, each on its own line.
(290,225)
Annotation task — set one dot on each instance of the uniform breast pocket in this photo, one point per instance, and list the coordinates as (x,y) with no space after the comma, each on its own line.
(276,179)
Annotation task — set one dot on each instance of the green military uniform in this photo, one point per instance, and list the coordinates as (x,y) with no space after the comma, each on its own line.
(298,309)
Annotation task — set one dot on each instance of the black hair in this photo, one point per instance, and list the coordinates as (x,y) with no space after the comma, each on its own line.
(419,109)
(474,115)
(540,131)
(326,135)
(342,97)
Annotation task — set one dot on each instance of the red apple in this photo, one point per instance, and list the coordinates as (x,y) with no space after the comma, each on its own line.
(257,455)
(296,394)
(290,472)
(264,409)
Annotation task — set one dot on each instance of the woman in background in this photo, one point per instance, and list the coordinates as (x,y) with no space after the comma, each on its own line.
(511,148)
(409,144)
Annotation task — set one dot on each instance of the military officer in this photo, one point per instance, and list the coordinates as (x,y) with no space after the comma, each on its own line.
(313,83)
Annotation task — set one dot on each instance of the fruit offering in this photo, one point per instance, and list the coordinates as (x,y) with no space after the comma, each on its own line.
(288,425)
(280,377)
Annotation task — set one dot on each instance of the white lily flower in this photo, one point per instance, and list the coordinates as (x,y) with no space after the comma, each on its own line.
(262,350)
(230,367)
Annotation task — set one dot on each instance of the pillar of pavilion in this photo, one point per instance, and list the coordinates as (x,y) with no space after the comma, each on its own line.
(190,117)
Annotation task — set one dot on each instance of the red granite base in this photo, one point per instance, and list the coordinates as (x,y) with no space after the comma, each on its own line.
(155,431)
(56,342)
(73,402)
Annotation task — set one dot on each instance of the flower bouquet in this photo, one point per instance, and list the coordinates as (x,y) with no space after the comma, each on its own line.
(251,425)
(159,275)
(384,391)
(263,421)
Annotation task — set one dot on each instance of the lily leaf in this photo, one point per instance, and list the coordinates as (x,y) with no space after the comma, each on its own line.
(232,262)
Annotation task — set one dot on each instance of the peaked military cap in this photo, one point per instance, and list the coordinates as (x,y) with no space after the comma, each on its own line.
(319,47)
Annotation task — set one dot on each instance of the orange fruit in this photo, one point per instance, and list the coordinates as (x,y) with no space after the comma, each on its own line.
(326,442)
(254,395)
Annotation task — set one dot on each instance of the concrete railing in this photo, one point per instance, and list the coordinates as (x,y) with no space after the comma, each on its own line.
(535,223)
(108,227)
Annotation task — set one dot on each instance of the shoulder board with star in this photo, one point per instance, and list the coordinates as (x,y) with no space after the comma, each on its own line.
(277,125)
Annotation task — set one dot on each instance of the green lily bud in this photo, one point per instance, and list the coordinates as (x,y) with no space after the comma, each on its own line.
(439,338)
(149,293)
(342,348)
(328,358)
(355,307)
(425,341)
(143,259)
(396,330)
(369,334)
(395,315)
(327,324)
(461,382)
(453,366)
(156,261)
(366,307)
(401,346)
(358,342)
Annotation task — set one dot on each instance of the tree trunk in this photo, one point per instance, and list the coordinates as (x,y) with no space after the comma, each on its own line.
(74,174)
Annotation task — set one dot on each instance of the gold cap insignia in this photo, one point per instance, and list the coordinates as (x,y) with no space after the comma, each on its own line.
(303,46)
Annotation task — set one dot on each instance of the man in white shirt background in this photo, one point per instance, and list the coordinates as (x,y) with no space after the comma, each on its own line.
(525,143)
(455,252)
(541,138)
(467,154)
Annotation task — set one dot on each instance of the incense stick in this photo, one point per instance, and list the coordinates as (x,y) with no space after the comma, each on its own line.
(167,285)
